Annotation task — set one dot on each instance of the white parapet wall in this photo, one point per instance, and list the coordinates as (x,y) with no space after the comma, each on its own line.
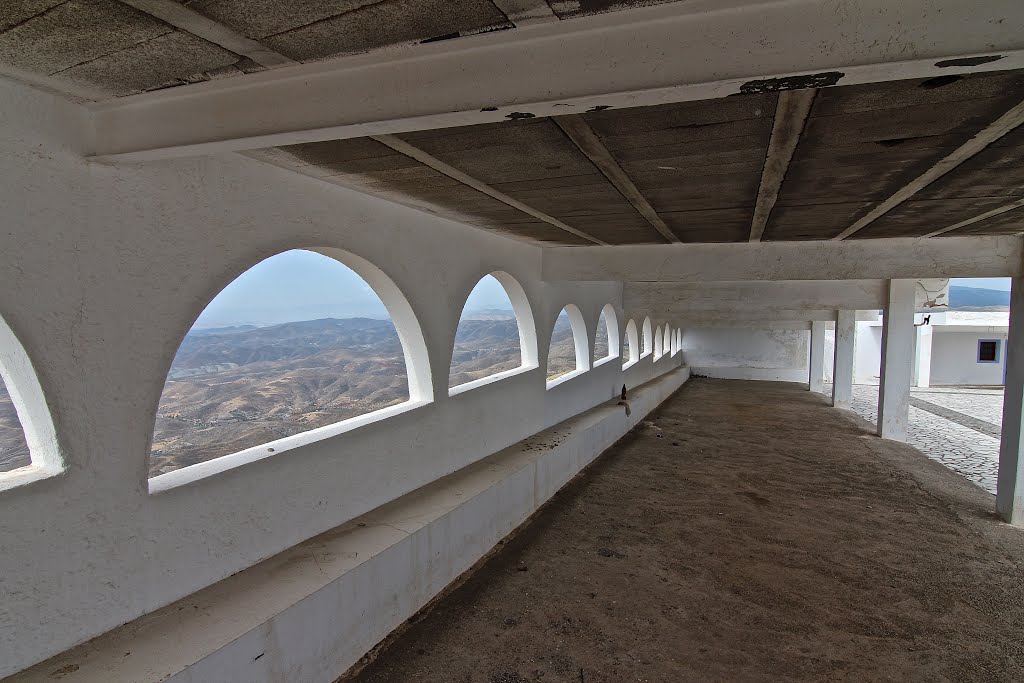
(309,613)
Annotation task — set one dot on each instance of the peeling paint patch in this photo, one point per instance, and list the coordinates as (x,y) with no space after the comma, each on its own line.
(968,61)
(801,82)
(939,81)
(516,115)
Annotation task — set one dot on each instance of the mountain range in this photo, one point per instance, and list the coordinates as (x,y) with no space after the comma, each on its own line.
(978,299)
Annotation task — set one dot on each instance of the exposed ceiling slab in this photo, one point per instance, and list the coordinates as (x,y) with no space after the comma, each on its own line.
(696,171)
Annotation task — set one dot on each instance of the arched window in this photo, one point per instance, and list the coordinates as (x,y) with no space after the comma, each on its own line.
(631,354)
(648,340)
(13,446)
(495,335)
(569,352)
(298,342)
(677,341)
(28,444)
(658,341)
(666,346)
(606,340)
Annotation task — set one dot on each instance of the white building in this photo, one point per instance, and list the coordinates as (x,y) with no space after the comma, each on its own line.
(954,348)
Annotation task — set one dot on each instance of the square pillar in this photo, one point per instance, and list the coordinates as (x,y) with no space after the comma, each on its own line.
(897,361)
(842,364)
(816,369)
(1010,482)
(923,356)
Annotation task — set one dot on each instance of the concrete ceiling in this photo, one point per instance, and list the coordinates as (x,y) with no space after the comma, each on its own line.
(696,168)
(783,159)
(98,49)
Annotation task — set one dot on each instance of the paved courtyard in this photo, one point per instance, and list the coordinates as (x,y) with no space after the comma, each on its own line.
(956,426)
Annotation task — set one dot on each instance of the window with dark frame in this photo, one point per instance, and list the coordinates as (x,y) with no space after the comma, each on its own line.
(988,350)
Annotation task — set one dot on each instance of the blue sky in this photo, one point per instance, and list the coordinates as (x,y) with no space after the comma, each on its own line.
(303,285)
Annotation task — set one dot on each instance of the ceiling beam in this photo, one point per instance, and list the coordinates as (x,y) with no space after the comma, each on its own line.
(751,297)
(912,258)
(791,112)
(977,219)
(526,12)
(997,129)
(637,57)
(413,152)
(586,140)
(195,23)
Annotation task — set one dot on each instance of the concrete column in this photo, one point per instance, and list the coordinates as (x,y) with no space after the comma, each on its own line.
(923,356)
(897,361)
(1010,482)
(842,364)
(816,370)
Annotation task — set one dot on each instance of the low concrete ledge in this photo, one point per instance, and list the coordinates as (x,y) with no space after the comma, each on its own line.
(310,613)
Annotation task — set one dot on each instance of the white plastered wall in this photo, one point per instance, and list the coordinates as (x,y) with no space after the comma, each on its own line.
(106,267)
(955,357)
(741,353)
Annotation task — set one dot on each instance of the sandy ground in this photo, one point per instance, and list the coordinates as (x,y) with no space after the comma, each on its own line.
(746,532)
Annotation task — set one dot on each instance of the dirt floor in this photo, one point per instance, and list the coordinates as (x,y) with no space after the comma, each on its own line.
(746,531)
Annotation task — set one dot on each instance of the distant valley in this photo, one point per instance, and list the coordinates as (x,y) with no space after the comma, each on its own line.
(236,387)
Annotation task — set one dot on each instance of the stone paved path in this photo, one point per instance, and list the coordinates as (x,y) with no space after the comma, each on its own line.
(958,427)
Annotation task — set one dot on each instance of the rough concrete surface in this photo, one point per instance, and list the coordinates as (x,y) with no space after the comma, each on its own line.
(746,531)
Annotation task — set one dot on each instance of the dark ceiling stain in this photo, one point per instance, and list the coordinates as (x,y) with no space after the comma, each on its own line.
(821,80)
(893,142)
(489,109)
(446,36)
(516,115)
(599,107)
(968,61)
(939,81)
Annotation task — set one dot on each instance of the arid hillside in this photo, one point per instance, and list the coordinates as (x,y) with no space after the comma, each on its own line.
(233,388)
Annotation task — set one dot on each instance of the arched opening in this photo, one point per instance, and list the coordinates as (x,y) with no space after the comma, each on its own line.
(28,443)
(648,340)
(303,341)
(658,343)
(13,445)
(569,352)
(606,339)
(495,335)
(666,346)
(631,353)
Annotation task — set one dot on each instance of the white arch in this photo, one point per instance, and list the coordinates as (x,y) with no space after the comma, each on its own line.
(659,349)
(666,345)
(581,343)
(611,323)
(414,347)
(525,326)
(414,350)
(634,344)
(524,317)
(648,342)
(33,413)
